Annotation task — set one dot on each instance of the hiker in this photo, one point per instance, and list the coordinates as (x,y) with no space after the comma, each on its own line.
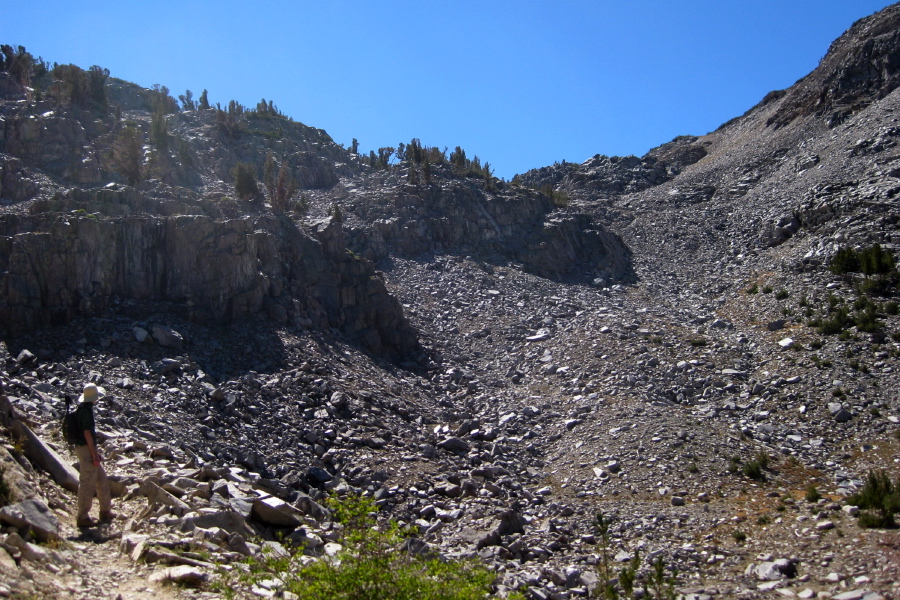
(92,477)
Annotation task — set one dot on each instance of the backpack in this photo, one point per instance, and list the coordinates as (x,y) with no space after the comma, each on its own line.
(70,425)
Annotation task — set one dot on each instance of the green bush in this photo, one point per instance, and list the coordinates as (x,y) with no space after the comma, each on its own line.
(782,294)
(753,289)
(837,319)
(875,261)
(812,493)
(879,501)
(767,289)
(371,566)
(754,470)
(739,536)
(845,260)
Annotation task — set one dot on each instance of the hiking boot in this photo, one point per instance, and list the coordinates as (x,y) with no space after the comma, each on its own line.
(85,523)
(106,516)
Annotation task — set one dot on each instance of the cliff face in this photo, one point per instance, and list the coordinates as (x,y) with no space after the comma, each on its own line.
(209,270)
(122,197)
(861,66)
(517,224)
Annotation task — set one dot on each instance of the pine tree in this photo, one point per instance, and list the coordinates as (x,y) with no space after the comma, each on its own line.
(97,77)
(269,177)
(159,131)
(203,104)
(245,186)
(426,169)
(128,154)
(285,187)
(187,101)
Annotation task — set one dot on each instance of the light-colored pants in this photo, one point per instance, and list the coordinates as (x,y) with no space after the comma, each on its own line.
(91,480)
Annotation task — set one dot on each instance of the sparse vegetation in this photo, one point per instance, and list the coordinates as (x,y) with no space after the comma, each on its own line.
(754,470)
(878,500)
(372,564)
(656,583)
(812,493)
(739,536)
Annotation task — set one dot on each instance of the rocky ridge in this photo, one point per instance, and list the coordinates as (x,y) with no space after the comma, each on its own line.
(642,381)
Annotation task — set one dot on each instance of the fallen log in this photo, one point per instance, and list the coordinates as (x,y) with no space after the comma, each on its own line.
(36,450)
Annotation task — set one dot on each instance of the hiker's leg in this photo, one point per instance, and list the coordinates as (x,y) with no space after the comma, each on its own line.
(103,495)
(87,481)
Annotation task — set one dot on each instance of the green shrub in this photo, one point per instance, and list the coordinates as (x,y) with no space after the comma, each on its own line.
(753,289)
(767,289)
(879,500)
(812,494)
(865,320)
(698,342)
(754,470)
(836,321)
(782,294)
(739,536)
(371,565)
(763,520)
(875,261)
(890,308)
(659,586)
(845,260)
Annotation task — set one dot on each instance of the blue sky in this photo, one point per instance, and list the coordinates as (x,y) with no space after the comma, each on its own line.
(520,83)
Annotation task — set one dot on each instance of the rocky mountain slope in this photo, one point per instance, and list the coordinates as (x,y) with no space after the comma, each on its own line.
(660,339)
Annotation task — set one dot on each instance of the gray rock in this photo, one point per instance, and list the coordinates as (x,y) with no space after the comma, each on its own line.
(851,595)
(767,571)
(182,574)
(843,415)
(454,444)
(34,515)
(503,524)
(226,520)
(775,325)
(277,512)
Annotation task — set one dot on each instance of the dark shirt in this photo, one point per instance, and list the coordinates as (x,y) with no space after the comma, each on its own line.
(84,415)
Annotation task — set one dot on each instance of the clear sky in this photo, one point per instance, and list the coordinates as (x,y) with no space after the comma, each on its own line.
(519,83)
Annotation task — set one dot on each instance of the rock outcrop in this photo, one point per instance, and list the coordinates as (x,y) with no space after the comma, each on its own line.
(517,224)
(208,270)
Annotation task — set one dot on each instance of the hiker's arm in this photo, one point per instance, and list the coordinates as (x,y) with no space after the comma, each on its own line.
(95,454)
